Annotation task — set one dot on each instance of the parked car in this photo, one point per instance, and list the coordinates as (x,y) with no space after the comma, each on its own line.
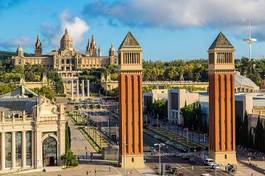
(206,174)
(215,166)
(208,161)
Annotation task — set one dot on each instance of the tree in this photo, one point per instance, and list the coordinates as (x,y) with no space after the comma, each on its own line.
(245,133)
(159,107)
(187,113)
(45,91)
(238,130)
(194,118)
(67,138)
(258,135)
(69,159)
(5,88)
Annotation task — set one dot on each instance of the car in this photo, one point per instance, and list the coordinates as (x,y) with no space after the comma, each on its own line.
(215,166)
(208,161)
(206,174)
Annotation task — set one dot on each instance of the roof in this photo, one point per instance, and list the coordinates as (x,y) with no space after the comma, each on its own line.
(19,100)
(221,42)
(129,41)
(21,92)
(242,81)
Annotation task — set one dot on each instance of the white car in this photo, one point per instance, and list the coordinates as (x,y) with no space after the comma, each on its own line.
(206,174)
(208,162)
(215,166)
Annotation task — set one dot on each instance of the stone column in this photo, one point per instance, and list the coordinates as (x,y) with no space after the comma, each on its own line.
(61,140)
(2,116)
(3,157)
(38,149)
(72,89)
(77,89)
(83,89)
(13,149)
(88,90)
(24,157)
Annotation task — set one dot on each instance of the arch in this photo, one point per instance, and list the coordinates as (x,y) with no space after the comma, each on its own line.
(49,150)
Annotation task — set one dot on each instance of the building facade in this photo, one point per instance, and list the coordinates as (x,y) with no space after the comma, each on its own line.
(67,61)
(221,70)
(67,58)
(32,131)
(131,106)
(177,99)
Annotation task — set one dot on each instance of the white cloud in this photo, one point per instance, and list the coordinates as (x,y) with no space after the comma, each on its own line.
(182,13)
(76,26)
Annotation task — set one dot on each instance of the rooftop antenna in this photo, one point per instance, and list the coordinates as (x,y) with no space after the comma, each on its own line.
(250,41)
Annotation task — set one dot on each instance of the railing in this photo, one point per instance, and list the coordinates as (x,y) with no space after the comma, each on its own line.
(167,82)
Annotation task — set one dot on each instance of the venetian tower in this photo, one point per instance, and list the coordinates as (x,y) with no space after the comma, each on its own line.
(130,99)
(221,70)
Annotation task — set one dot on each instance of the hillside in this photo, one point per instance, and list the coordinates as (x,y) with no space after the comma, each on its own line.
(7,54)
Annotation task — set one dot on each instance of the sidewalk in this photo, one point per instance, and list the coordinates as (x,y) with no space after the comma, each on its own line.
(81,170)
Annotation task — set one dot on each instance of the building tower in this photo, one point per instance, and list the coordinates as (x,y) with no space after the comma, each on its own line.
(112,55)
(88,46)
(99,51)
(20,51)
(38,47)
(92,47)
(221,70)
(66,42)
(130,99)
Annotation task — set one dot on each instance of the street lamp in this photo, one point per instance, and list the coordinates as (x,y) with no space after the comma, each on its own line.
(159,155)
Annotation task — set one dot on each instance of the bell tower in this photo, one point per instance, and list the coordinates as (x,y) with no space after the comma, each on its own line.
(221,70)
(130,99)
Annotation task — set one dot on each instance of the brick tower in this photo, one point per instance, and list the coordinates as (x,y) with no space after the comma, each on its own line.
(221,69)
(130,99)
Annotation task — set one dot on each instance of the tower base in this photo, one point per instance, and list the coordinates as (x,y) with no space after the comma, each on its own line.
(132,161)
(223,158)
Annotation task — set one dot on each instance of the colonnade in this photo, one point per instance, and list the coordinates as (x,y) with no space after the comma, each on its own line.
(76,86)
(14,150)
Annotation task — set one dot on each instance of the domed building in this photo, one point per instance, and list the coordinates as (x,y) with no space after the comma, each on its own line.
(68,61)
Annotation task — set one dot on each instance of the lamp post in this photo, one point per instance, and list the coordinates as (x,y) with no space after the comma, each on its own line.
(159,155)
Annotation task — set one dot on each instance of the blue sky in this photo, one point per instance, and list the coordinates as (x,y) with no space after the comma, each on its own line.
(166,29)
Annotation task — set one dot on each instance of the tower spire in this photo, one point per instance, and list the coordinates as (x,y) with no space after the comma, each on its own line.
(38,47)
(88,46)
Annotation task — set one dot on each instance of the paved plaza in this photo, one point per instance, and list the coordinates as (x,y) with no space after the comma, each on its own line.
(79,144)
(80,170)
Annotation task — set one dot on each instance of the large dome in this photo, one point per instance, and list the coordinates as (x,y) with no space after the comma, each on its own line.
(66,41)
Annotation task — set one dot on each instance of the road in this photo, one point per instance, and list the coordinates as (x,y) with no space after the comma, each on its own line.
(79,144)
(187,167)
